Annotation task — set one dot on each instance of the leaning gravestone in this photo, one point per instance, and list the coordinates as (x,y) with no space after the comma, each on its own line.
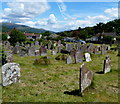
(78,57)
(43,51)
(87,57)
(10,73)
(106,67)
(86,77)
(103,49)
(69,60)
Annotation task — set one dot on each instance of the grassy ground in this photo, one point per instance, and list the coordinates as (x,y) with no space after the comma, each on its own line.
(40,83)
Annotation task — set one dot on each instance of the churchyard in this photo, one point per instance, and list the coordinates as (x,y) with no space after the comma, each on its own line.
(59,72)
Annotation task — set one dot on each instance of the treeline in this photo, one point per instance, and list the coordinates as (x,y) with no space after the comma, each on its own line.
(87,32)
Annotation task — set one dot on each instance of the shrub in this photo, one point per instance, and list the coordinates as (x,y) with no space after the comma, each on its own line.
(61,57)
(42,61)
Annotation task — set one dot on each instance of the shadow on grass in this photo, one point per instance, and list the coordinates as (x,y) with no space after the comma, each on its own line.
(100,72)
(74,92)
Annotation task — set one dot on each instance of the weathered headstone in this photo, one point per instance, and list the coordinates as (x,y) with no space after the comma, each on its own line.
(86,77)
(31,51)
(96,50)
(10,73)
(16,49)
(43,51)
(9,58)
(69,60)
(60,48)
(87,57)
(90,48)
(36,45)
(103,49)
(107,67)
(23,52)
(78,57)
(83,48)
(69,47)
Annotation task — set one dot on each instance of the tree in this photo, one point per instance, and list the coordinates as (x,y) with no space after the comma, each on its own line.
(16,36)
(4,36)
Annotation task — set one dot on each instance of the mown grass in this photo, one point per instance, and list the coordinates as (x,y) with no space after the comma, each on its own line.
(48,83)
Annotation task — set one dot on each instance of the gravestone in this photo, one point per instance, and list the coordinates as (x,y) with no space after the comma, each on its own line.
(23,52)
(86,77)
(32,44)
(37,53)
(103,49)
(9,58)
(90,48)
(107,67)
(59,42)
(69,47)
(10,73)
(54,52)
(108,48)
(31,51)
(36,45)
(87,57)
(49,45)
(83,48)
(78,57)
(78,46)
(43,51)
(16,49)
(96,50)
(60,48)
(69,60)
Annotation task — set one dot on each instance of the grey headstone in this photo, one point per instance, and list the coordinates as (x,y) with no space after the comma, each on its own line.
(103,49)
(69,60)
(10,73)
(96,50)
(78,57)
(107,67)
(43,51)
(31,51)
(86,77)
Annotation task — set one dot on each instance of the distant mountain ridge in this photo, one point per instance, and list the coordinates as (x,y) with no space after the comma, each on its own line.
(6,27)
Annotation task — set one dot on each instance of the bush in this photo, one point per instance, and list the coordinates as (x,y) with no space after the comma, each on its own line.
(42,61)
(61,57)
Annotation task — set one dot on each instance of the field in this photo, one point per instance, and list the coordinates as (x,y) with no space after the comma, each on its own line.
(59,82)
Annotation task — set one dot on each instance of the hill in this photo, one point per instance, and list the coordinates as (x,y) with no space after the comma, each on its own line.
(6,27)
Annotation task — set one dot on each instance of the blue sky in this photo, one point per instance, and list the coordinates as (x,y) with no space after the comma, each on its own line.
(58,16)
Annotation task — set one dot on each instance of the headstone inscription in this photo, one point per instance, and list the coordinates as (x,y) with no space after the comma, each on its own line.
(10,73)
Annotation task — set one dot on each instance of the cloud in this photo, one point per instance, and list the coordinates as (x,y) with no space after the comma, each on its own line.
(112,12)
(52,19)
(22,11)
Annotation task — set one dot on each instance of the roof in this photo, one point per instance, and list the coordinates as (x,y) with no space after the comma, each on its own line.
(108,34)
(29,34)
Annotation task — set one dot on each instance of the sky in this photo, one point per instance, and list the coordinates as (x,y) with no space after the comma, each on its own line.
(58,15)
